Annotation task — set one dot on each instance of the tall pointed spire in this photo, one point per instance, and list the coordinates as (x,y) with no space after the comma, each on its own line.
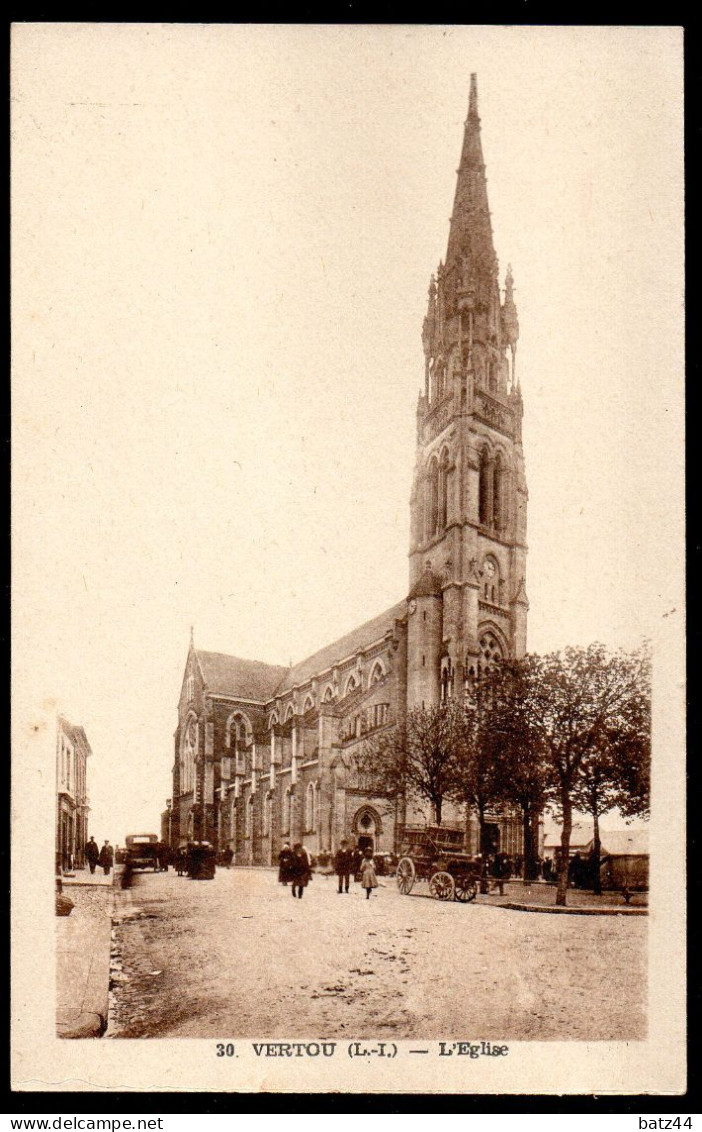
(470,236)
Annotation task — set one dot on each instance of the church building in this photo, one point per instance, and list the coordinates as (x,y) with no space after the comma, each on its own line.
(266,754)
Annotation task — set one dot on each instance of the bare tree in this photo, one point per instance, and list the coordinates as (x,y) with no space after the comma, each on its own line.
(419,758)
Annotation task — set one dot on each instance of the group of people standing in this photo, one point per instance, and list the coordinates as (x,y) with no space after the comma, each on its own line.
(295,867)
(94,856)
(350,860)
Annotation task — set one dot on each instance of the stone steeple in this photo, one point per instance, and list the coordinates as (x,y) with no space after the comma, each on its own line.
(468,501)
(471,252)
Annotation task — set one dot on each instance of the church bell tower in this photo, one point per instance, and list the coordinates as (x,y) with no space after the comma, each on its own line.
(467,603)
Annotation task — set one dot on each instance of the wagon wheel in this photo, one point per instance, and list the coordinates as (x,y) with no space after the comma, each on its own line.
(466,889)
(442,886)
(405,875)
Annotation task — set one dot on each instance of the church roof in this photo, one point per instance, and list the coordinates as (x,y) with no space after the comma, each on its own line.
(242,679)
(344,647)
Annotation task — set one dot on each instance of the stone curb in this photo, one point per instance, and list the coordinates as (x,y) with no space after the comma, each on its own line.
(584,910)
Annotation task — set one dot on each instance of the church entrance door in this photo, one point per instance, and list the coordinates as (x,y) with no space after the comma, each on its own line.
(365,842)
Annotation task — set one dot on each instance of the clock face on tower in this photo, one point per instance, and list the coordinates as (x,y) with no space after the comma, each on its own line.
(489,568)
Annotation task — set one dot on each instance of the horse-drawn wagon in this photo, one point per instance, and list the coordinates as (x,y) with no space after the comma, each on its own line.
(436,856)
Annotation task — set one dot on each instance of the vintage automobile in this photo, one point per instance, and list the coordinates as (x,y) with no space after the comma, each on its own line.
(142,851)
(435,855)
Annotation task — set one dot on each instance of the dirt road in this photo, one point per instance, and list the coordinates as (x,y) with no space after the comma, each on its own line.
(238,957)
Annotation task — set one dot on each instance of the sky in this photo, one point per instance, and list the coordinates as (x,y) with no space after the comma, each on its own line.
(222,243)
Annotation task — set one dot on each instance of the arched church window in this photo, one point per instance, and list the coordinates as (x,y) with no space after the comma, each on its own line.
(446,679)
(238,731)
(309,704)
(237,739)
(289,712)
(443,489)
(491,652)
(433,498)
(497,478)
(377,673)
(328,694)
(351,685)
(310,822)
(189,754)
(484,489)
(469,676)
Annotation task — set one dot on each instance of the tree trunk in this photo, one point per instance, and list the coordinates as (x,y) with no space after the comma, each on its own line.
(562,888)
(484,884)
(596,853)
(437,810)
(528,835)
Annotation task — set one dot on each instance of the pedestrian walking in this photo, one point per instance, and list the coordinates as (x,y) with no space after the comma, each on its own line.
(228,857)
(356,862)
(368,878)
(285,864)
(164,857)
(343,865)
(106,858)
(91,853)
(300,869)
(500,871)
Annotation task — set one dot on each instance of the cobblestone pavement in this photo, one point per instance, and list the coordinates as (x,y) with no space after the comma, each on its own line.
(238,957)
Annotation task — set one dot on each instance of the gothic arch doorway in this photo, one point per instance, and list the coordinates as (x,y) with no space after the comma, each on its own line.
(367,827)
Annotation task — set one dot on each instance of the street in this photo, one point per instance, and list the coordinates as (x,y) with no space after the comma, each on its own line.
(238,957)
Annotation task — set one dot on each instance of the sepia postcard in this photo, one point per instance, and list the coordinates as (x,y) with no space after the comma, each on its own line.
(348,543)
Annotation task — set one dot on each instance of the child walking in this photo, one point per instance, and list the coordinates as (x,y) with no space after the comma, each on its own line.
(368,878)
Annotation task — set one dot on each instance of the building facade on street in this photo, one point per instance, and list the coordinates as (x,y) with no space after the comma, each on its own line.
(265,753)
(72,808)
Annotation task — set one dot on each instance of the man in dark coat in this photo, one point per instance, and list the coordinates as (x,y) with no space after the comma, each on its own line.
(300,870)
(284,864)
(343,865)
(106,858)
(500,871)
(91,854)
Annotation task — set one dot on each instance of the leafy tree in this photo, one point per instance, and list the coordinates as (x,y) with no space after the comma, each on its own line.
(616,772)
(480,784)
(578,705)
(519,771)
